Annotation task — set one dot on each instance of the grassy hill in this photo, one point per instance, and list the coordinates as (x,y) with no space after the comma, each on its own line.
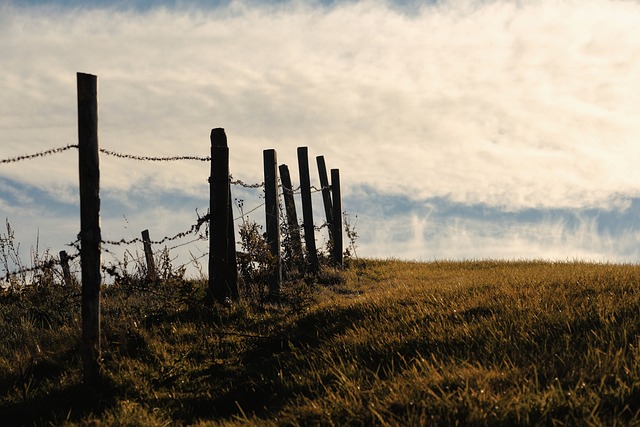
(382,343)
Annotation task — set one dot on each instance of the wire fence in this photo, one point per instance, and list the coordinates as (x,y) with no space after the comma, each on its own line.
(194,229)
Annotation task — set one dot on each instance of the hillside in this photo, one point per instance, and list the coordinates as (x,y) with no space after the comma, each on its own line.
(382,343)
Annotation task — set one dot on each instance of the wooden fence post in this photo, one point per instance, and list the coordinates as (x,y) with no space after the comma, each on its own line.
(272,218)
(90,238)
(293,227)
(66,273)
(326,193)
(307,209)
(148,254)
(222,284)
(337,217)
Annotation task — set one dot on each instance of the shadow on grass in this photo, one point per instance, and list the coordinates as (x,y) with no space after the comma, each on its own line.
(68,403)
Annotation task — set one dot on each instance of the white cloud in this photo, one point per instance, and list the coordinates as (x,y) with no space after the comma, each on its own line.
(514,104)
(419,238)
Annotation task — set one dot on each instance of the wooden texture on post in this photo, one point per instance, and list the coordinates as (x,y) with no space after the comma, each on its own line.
(307,209)
(90,238)
(326,193)
(293,227)
(66,273)
(222,284)
(148,254)
(272,218)
(337,217)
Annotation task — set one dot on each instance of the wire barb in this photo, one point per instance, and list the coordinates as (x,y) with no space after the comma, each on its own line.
(193,229)
(40,154)
(153,159)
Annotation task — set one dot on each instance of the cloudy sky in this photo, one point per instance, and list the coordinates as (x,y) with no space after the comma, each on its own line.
(462,129)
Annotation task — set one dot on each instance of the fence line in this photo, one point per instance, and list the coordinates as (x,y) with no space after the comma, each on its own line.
(42,267)
(223,268)
(122,242)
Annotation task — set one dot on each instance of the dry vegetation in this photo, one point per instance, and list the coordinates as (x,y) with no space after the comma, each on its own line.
(382,343)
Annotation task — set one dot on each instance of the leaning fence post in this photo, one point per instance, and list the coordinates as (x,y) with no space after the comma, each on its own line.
(222,284)
(64,263)
(148,254)
(90,238)
(272,218)
(307,209)
(326,193)
(292,218)
(337,217)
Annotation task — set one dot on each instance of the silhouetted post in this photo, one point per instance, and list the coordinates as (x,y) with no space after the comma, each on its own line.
(307,209)
(292,218)
(90,238)
(326,193)
(337,217)
(148,254)
(64,263)
(222,284)
(272,218)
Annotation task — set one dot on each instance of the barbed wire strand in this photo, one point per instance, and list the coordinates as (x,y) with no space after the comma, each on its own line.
(42,267)
(127,156)
(153,158)
(40,154)
(193,229)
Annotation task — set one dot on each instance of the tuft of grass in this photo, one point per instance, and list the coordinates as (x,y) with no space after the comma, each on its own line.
(384,342)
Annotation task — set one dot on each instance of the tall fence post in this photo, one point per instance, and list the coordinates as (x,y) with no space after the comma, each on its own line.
(90,238)
(326,193)
(66,273)
(272,218)
(148,254)
(307,209)
(222,284)
(337,217)
(293,227)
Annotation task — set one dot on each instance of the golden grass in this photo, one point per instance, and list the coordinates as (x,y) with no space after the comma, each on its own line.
(397,343)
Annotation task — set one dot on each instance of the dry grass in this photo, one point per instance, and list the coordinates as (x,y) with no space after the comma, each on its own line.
(396,343)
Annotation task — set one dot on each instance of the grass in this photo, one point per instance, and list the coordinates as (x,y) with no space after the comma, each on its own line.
(381,343)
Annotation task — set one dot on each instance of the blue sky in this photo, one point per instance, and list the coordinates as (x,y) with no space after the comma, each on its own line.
(463,129)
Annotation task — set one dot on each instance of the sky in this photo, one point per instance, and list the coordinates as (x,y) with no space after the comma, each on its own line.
(463,129)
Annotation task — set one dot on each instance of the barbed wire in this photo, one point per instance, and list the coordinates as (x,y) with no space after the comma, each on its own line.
(193,229)
(153,158)
(44,266)
(248,212)
(244,184)
(40,154)
(186,243)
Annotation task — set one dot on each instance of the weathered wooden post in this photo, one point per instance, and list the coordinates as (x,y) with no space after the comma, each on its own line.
(148,254)
(66,273)
(326,193)
(90,237)
(272,218)
(337,217)
(292,218)
(307,209)
(222,284)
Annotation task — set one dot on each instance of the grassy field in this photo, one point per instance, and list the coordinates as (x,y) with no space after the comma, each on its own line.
(382,343)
